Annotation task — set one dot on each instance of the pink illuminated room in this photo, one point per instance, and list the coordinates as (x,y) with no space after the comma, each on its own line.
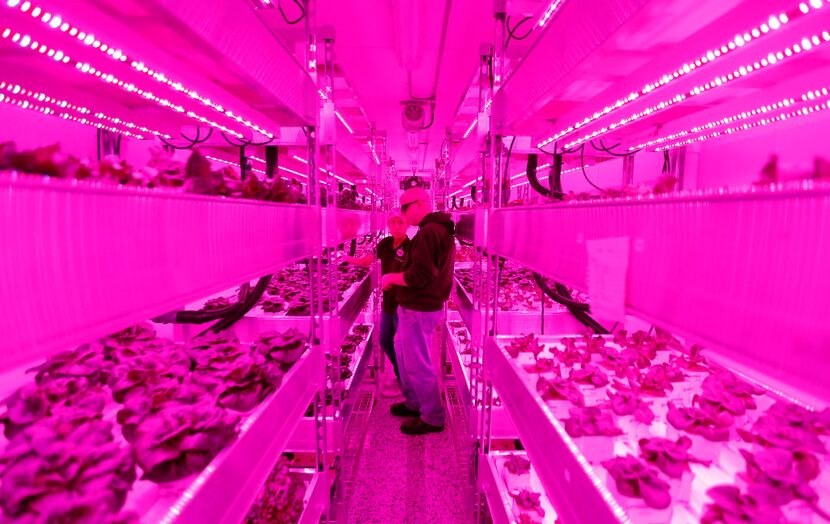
(414,261)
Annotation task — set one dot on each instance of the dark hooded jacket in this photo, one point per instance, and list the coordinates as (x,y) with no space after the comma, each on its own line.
(429,265)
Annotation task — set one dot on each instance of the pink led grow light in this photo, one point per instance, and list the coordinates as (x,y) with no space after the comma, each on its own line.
(774,22)
(58,23)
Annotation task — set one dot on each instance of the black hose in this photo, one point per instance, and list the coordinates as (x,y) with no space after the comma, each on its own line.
(561,295)
(582,316)
(557,297)
(200,317)
(532,163)
(242,307)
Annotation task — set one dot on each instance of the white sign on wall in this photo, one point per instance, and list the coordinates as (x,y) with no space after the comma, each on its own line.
(607,277)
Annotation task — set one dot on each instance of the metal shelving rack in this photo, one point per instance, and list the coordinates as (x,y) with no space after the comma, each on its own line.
(734,270)
(109,257)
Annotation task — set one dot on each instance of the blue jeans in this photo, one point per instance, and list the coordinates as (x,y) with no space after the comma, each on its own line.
(419,383)
(388,328)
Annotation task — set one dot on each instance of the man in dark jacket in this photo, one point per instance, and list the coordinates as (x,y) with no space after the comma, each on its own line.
(423,286)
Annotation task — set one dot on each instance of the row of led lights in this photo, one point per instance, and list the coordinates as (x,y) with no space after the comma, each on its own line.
(550,11)
(283,168)
(807,96)
(18,90)
(716,123)
(25,104)
(132,88)
(34,45)
(805,44)
(56,22)
(804,111)
(27,43)
(773,23)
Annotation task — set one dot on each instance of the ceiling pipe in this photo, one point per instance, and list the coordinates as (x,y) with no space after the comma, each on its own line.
(439,59)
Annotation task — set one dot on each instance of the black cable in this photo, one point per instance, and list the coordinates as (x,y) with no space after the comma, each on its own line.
(582,165)
(556,297)
(582,316)
(285,17)
(547,152)
(566,151)
(506,181)
(511,32)
(192,143)
(200,317)
(609,150)
(532,163)
(243,307)
(563,296)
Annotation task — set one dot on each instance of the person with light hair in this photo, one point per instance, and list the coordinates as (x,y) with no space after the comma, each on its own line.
(391,251)
(423,287)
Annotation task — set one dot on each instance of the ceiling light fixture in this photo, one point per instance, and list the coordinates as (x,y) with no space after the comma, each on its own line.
(61,104)
(343,120)
(806,43)
(56,22)
(549,12)
(25,104)
(772,23)
(804,111)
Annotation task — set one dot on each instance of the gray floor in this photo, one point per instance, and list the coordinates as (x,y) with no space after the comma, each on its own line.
(406,479)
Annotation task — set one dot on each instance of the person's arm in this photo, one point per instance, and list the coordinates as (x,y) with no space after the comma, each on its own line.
(392,279)
(365,260)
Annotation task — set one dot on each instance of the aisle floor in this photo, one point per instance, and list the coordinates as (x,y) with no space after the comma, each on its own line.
(406,479)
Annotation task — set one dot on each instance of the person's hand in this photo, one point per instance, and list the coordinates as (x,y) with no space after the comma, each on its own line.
(347,258)
(386,282)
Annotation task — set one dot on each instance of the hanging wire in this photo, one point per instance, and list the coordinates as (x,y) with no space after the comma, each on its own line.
(582,166)
(511,32)
(610,149)
(285,17)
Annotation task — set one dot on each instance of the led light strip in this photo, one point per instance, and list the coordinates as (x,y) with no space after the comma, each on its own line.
(465,186)
(34,45)
(131,88)
(717,123)
(343,120)
(804,111)
(16,89)
(806,44)
(56,22)
(27,43)
(235,164)
(786,102)
(374,153)
(773,23)
(25,104)
(548,14)
(543,166)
